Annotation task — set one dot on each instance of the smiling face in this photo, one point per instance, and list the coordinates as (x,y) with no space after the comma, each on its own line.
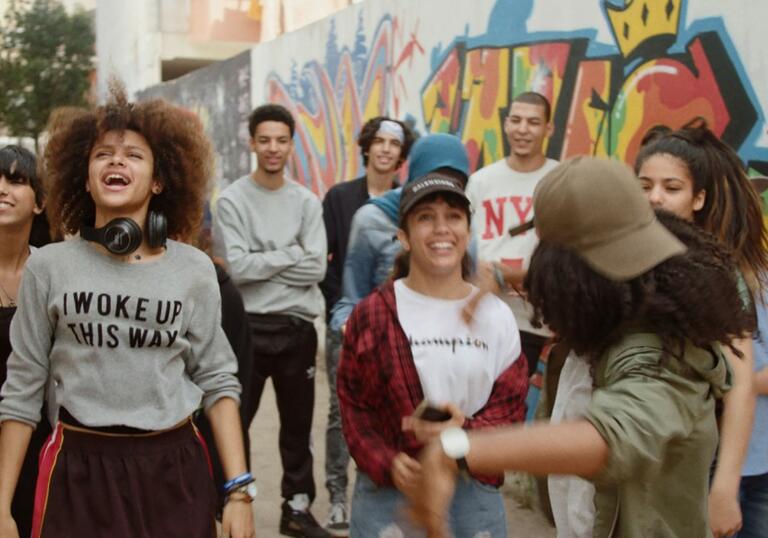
(17,201)
(526,128)
(120,176)
(668,184)
(436,235)
(272,144)
(384,153)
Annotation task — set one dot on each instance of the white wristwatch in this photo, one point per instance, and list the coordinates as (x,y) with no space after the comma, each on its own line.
(455,443)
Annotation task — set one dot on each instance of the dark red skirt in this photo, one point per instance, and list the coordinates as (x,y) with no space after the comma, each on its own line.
(95,484)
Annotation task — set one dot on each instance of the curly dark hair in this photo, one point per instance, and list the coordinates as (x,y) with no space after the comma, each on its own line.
(270,112)
(654,133)
(674,300)
(368,133)
(732,208)
(183,160)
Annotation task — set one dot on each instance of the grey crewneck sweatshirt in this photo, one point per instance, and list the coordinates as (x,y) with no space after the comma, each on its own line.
(133,344)
(275,246)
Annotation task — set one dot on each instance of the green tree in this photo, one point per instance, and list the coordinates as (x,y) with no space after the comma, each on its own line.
(46,61)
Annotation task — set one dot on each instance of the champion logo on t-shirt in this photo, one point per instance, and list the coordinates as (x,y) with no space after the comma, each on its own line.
(452,342)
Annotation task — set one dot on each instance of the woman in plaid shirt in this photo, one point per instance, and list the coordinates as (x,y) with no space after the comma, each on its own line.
(406,343)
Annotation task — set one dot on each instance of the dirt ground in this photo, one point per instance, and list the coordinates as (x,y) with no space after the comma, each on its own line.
(522,522)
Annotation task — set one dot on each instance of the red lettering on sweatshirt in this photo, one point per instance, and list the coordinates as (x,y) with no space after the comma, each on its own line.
(496,223)
(522,212)
(494,217)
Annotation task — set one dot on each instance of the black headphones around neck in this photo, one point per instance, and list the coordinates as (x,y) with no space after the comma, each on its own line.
(122,236)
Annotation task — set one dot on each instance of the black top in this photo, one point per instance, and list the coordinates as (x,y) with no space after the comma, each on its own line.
(6,314)
(235,325)
(24,497)
(339,206)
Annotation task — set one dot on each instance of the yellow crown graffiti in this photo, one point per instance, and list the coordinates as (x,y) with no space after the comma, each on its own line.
(640,20)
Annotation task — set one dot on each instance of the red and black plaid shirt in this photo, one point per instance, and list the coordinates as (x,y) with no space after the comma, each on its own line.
(378,385)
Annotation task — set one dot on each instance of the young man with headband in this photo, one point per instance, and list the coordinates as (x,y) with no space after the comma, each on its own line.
(384,144)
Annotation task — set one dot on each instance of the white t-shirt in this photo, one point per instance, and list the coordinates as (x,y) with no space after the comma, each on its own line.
(502,198)
(456,362)
(571,497)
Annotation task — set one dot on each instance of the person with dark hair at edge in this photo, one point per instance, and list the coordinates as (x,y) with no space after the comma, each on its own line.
(634,301)
(384,144)
(695,175)
(373,244)
(654,133)
(408,343)
(269,230)
(22,199)
(120,329)
(502,198)
(234,322)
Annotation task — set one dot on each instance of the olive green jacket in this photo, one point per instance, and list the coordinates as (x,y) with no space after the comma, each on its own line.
(658,418)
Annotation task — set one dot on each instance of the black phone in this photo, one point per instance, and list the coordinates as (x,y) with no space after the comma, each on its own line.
(521,228)
(427,411)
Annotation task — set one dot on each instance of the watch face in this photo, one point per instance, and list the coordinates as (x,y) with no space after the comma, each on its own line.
(252,490)
(455,442)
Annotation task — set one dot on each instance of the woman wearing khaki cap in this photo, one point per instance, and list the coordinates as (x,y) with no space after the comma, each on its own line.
(610,280)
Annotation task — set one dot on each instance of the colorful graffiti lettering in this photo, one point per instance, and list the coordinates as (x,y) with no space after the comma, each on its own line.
(604,97)
(604,104)
(331,101)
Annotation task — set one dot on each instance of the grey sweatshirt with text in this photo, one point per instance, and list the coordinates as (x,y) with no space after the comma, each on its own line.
(133,344)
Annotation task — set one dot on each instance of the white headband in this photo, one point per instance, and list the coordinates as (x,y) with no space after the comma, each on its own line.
(392,128)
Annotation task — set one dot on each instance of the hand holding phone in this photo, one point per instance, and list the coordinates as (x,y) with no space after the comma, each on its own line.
(428,420)
(431,413)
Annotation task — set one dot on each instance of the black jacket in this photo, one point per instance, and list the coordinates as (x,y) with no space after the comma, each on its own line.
(339,206)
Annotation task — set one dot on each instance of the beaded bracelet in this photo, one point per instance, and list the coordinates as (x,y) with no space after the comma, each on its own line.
(237,481)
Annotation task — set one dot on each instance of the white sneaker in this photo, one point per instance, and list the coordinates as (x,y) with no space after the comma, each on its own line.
(337,523)
(299,502)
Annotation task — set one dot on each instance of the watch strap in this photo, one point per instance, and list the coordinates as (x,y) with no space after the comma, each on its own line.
(462,464)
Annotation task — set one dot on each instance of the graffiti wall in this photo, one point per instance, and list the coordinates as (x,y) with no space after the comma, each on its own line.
(612,70)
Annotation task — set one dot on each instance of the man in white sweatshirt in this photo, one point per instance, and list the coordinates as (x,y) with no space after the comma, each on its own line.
(502,198)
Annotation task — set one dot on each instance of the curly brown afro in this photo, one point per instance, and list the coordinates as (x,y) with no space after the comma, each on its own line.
(183,160)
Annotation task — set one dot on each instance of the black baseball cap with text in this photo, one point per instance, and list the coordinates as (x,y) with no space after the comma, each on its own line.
(427,185)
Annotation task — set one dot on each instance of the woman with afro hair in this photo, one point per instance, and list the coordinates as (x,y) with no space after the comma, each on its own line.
(119,330)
